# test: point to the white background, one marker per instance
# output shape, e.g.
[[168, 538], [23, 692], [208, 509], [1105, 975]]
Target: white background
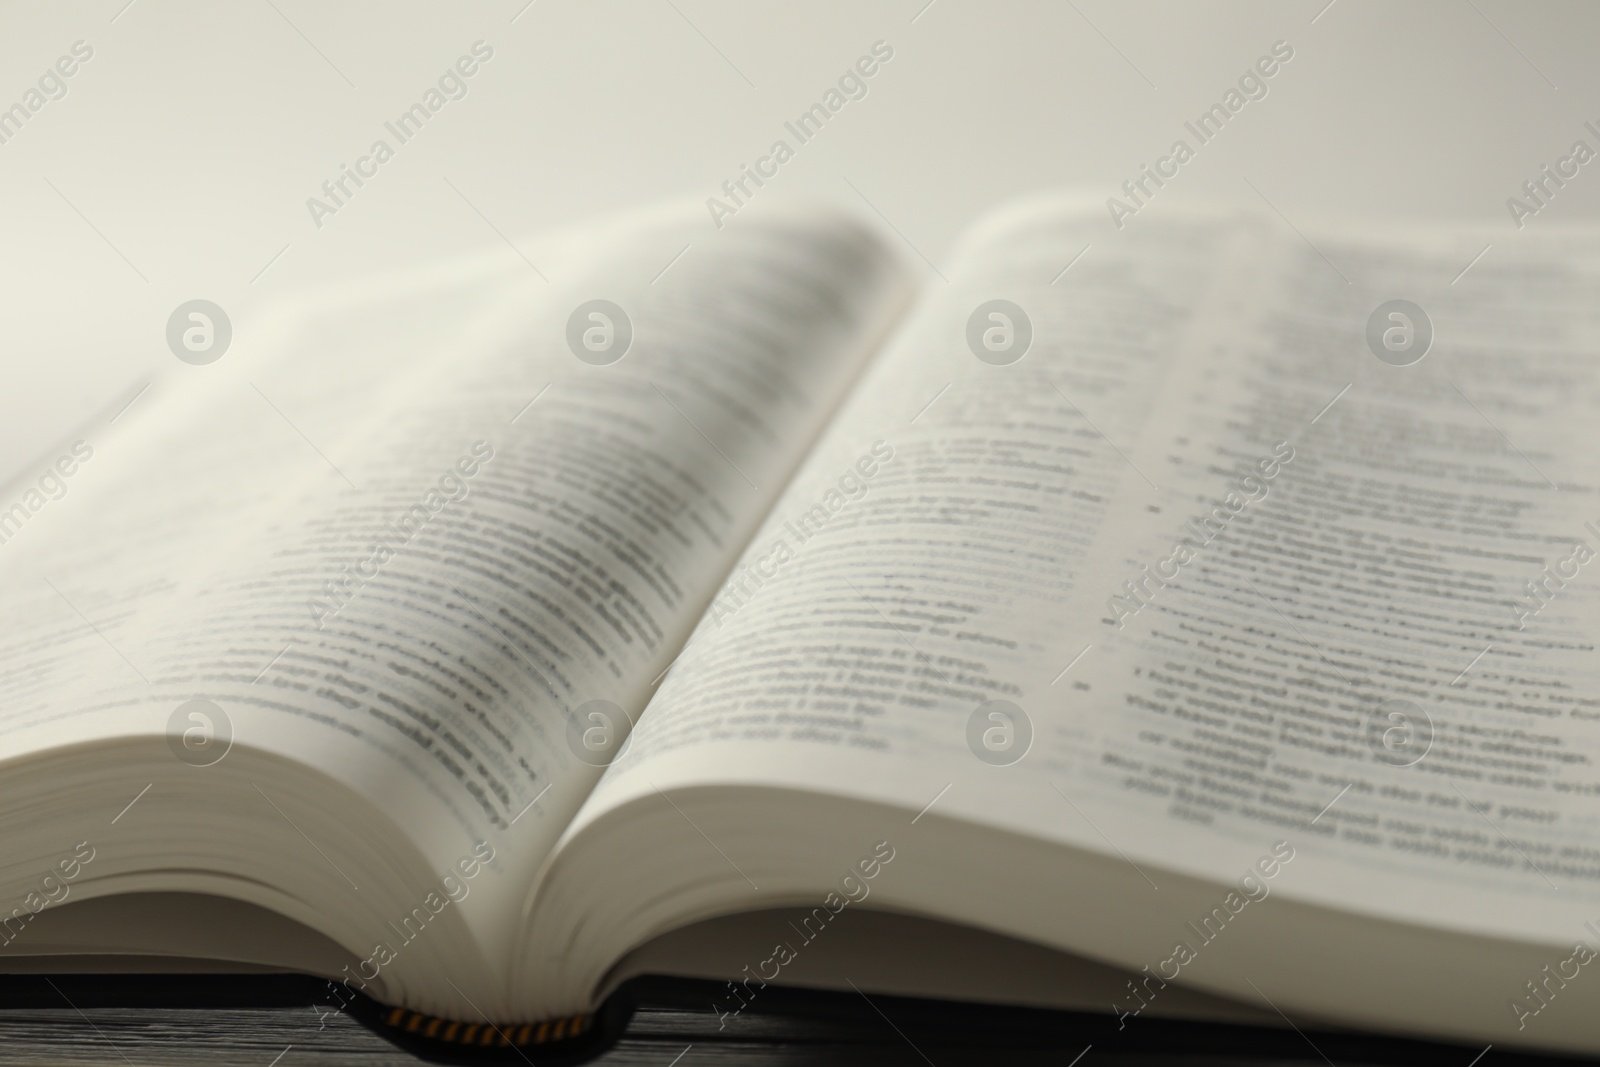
[[193, 138]]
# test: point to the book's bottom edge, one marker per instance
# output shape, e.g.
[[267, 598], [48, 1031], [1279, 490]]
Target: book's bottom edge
[[454, 1032], [566, 1039]]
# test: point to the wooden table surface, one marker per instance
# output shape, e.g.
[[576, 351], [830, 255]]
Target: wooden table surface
[[132, 1021], [285, 1037]]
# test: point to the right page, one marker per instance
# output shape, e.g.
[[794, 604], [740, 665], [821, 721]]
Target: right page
[[1222, 552]]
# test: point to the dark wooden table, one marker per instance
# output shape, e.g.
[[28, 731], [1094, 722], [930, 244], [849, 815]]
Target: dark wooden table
[[133, 1022], [289, 1037]]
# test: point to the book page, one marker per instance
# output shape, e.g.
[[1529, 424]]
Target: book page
[[973, 599], [1376, 643], [454, 567]]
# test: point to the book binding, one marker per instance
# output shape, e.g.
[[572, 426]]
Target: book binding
[[486, 1035]]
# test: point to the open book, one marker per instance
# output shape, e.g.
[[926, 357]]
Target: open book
[[1121, 622]]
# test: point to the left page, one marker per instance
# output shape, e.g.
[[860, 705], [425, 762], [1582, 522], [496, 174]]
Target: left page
[[414, 595]]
